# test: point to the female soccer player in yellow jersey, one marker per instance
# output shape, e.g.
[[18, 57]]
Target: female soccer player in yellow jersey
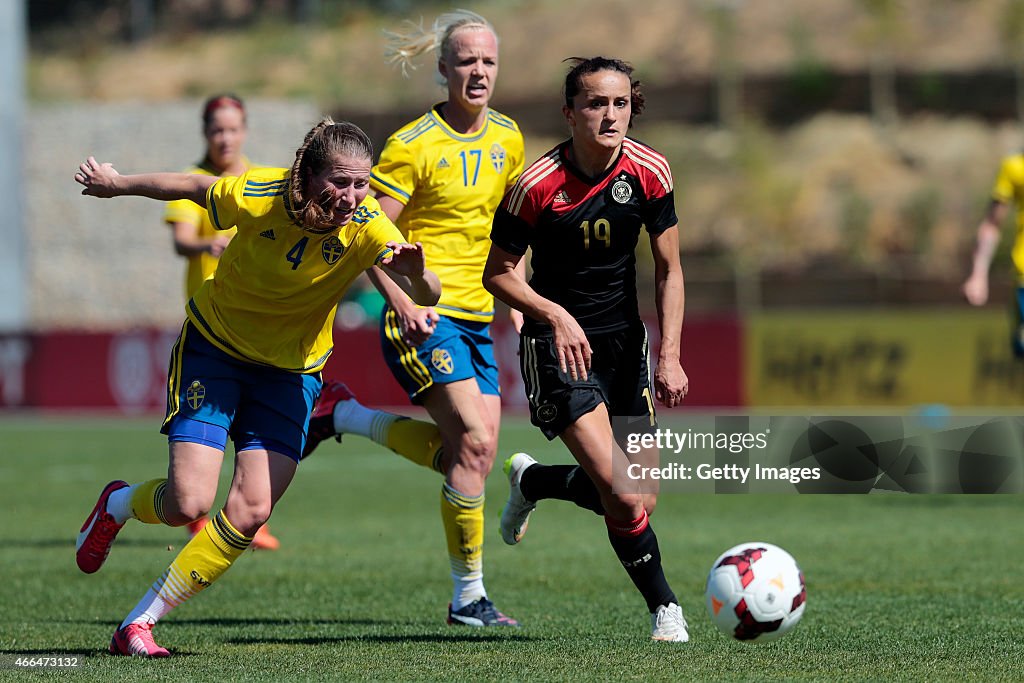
[[195, 237], [1008, 189], [440, 178], [248, 361]]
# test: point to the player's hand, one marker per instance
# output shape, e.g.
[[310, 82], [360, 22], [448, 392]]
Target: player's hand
[[417, 324], [670, 383], [572, 347], [100, 180], [975, 289], [217, 245], [406, 259]]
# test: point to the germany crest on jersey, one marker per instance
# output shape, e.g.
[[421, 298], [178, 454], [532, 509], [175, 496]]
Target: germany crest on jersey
[[584, 231]]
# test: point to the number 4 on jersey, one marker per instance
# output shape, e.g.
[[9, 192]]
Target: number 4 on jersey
[[295, 253]]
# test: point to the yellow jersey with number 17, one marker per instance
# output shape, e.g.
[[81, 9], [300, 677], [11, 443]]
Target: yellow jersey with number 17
[[1009, 187], [450, 185], [273, 297]]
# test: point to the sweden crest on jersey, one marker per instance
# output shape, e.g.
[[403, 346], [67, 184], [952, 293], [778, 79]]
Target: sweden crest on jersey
[[497, 157], [332, 249]]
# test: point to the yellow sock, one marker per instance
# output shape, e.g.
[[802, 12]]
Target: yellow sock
[[201, 562], [204, 559], [147, 501], [463, 519], [416, 441]]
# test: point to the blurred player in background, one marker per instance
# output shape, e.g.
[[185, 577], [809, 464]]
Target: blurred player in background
[[248, 361], [583, 349], [1009, 188], [195, 237], [440, 178]]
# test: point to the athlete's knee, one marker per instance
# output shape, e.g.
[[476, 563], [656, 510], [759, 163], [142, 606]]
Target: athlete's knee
[[650, 502], [477, 450], [623, 506], [247, 516], [182, 507]]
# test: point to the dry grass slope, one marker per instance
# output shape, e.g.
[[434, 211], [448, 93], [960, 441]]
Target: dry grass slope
[[833, 189], [669, 39]]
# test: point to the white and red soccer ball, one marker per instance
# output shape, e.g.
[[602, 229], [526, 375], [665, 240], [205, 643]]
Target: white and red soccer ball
[[755, 592]]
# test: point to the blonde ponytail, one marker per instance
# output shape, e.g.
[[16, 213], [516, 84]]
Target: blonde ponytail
[[405, 45]]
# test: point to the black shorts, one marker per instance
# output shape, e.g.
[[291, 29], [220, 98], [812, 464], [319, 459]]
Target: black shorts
[[619, 377]]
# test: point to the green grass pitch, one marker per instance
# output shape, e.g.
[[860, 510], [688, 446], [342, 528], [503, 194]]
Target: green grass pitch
[[899, 587]]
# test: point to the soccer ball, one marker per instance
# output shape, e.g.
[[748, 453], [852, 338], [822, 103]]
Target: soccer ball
[[755, 592]]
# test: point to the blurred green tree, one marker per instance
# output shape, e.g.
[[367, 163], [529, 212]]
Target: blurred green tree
[[885, 30], [1012, 34], [728, 78]]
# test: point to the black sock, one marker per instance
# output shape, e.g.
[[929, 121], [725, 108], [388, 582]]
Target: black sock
[[561, 482], [639, 554]]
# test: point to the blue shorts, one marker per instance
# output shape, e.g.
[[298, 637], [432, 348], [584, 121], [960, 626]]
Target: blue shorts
[[457, 350], [1017, 342], [211, 395]]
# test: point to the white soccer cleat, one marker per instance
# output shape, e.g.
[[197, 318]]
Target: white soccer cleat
[[669, 625], [515, 516]]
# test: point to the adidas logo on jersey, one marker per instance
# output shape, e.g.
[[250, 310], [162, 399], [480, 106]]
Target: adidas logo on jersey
[[562, 198], [269, 234], [443, 163]]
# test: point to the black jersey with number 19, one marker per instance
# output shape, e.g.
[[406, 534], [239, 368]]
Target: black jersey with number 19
[[584, 231]]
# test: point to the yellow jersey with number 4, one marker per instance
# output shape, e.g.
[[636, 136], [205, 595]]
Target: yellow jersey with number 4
[[450, 185], [276, 289]]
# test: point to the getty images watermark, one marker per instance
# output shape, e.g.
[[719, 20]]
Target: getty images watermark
[[667, 441], [821, 454]]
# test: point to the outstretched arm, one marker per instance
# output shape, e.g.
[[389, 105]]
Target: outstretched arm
[[670, 381], [102, 180], [975, 289], [406, 266]]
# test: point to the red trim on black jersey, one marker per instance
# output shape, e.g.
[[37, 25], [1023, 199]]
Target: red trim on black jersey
[[540, 183], [651, 160], [584, 231], [536, 173]]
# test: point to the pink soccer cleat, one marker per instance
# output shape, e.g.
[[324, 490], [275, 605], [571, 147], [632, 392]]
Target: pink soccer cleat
[[136, 640], [98, 532]]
